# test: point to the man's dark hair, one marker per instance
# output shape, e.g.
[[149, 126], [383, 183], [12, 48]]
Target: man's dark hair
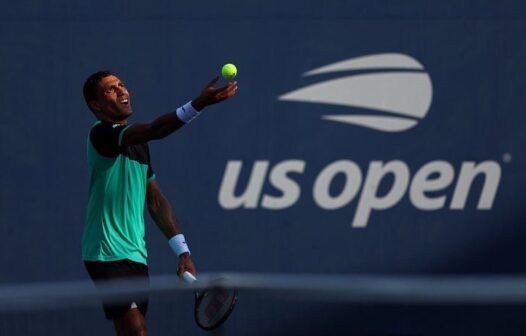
[[92, 83]]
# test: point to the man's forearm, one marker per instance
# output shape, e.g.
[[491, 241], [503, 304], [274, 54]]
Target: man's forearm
[[170, 122], [162, 126], [164, 216], [165, 125], [158, 129]]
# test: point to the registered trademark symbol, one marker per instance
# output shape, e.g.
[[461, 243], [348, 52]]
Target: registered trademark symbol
[[506, 157]]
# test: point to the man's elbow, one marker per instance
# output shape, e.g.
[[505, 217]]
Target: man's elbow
[[153, 206], [158, 132]]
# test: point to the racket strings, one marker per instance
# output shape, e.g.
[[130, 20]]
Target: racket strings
[[214, 306]]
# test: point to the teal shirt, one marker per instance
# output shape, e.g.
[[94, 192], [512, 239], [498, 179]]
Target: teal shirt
[[118, 176]]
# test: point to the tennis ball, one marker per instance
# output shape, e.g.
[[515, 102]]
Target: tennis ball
[[229, 71]]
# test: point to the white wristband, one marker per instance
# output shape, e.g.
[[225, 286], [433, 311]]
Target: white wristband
[[178, 244], [187, 112]]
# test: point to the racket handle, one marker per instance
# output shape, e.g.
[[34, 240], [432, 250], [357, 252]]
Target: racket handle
[[189, 277]]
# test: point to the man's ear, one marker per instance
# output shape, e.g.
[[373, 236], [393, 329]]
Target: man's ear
[[94, 105]]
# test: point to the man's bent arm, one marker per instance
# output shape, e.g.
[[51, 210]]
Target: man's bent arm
[[165, 218], [158, 129], [170, 122], [161, 211]]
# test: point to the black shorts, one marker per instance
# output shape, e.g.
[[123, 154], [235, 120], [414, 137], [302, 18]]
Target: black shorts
[[120, 269]]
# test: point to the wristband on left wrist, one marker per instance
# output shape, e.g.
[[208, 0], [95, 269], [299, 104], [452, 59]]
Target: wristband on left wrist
[[186, 112], [178, 244]]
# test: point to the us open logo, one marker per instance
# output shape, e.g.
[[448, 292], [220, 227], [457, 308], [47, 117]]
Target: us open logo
[[388, 93], [394, 87]]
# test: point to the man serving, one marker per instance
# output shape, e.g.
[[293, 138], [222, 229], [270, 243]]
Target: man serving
[[121, 178]]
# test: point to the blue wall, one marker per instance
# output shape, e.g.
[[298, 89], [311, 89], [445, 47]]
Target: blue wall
[[453, 70]]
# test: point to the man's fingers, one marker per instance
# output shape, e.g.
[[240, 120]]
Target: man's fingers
[[180, 271], [215, 95], [224, 87], [186, 265], [228, 92]]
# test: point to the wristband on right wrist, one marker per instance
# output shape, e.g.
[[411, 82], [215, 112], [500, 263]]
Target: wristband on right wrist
[[178, 244]]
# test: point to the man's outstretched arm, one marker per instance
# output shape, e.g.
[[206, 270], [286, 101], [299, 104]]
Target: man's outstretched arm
[[165, 218], [170, 122]]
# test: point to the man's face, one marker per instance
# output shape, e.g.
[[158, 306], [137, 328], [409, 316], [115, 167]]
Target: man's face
[[113, 101]]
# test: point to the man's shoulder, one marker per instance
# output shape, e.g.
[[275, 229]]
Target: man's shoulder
[[105, 130], [100, 125], [105, 137]]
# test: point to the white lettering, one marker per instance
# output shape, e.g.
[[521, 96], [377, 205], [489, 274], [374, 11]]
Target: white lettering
[[368, 198], [422, 183], [435, 176], [468, 172], [289, 188], [249, 199], [353, 181]]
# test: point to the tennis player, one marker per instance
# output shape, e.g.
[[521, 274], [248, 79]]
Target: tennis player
[[121, 179]]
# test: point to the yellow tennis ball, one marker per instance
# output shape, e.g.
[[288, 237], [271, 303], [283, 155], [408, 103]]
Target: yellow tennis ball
[[229, 71]]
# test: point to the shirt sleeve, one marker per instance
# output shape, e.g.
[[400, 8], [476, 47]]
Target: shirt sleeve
[[106, 138]]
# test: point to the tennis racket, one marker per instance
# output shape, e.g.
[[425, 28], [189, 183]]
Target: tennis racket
[[213, 305]]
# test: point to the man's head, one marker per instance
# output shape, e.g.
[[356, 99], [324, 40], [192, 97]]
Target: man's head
[[107, 97]]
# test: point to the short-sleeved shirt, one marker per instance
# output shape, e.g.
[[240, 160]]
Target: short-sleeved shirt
[[118, 176]]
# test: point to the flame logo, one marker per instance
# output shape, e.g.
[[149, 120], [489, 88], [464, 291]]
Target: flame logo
[[394, 87]]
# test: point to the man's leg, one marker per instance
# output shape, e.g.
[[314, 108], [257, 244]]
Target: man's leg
[[132, 323], [127, 316]]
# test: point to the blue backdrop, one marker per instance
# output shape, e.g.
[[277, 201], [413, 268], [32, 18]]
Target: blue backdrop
[[400, 154]]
